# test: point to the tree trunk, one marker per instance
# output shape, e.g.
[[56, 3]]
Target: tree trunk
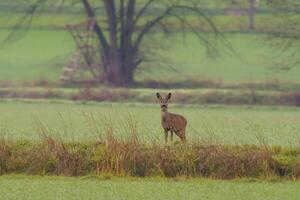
[[128, 72], [251, 13], [120, 72]]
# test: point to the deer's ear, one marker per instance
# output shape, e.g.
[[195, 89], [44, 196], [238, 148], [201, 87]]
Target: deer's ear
[[158, 96], [169, 96]]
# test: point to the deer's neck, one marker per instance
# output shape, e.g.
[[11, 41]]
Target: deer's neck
[[164, 113]]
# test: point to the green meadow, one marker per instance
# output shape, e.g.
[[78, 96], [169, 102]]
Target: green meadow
[[93, 187], [90, 121]]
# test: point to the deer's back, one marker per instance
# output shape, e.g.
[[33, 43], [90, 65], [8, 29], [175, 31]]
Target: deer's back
[[173, 122]]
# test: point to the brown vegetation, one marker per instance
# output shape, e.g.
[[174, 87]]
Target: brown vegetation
[[205, 96], [131, 158], [205, 92], [227, 97]]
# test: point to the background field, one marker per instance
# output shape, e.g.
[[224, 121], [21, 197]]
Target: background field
[[27, 187], [84, 122], [43, 51], [41, 54]]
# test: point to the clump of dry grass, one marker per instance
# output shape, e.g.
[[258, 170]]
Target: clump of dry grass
[[56, 157], [4, 155]]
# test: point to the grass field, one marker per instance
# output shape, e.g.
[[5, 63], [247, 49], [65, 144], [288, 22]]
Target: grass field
[[77, 121], [41, 54], [35, 56], [28, 187]]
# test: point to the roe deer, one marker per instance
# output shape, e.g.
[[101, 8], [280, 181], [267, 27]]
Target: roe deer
[[171, 122]]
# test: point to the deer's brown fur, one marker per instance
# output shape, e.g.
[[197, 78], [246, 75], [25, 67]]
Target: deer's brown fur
[[171, 122]]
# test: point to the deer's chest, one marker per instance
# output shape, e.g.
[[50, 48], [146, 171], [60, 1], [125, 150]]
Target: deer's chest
[[166, 123]]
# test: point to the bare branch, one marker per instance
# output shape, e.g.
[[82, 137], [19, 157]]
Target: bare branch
[[24, 22], [211, 49], [122, 17], [171, 11], [143, 10], [112, 22], [90, 13], [129, 16], [285, 39], [150, 24]]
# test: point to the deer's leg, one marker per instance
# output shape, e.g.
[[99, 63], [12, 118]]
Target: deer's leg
[[183, 139], [181, 135], [172, 136], [166, 136]]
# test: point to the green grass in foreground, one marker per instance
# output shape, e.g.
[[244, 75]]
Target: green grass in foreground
[[43, 53], [33, 187], [77, 121]]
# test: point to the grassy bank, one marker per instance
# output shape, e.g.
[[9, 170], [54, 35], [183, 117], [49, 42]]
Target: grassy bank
[[92, 187], [129, 157]]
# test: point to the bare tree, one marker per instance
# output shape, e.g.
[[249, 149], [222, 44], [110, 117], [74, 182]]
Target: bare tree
[[127, 23]]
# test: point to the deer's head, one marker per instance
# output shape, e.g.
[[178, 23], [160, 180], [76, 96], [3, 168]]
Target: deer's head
[[164, 101]]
